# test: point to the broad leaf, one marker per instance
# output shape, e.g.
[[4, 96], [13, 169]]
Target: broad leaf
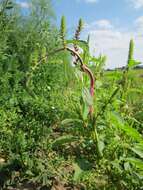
[[130, 131], [138, 149], [138, 163], [87, 98], [77, 173], [63, 140], [70, 121], [133, 63]]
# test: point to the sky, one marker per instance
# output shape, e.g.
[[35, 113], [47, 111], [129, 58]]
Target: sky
[[110, 23]]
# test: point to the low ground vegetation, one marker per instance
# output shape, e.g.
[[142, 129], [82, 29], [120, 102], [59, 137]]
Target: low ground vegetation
[[55, 133]]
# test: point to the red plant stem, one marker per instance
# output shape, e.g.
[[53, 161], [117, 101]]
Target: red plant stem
[[85, 69], [88, 71]]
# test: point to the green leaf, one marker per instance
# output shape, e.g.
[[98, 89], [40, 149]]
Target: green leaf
[[133, 63], [63, 140], [85, 111], [120, 123], [87, 102], [127, 166], [70, 121], [133, 133], [137, 162], [101, 146], [77, 173], [79, 75], [138, 149], [134, 90], [87, 98]]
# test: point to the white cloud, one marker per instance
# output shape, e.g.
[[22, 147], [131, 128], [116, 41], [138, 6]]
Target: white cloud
[[104, 24], [100, 24], [91, 1], [139, 24], [137, 3], [114, 43], [23, 4], [88, 1]]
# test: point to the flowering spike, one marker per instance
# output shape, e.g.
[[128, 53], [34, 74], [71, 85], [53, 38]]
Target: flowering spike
[[63, 30], [80, 24], [78, 30], [77, 33], [131, 51]]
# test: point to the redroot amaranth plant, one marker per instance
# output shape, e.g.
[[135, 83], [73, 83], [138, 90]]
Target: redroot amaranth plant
[[83, 67]]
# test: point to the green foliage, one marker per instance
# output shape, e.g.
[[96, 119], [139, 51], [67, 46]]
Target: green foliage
[[63, 140], [47, 137]]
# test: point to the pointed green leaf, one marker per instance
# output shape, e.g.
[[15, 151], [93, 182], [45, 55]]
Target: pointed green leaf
[[130, 131], [63, 140], [87, 98], [138, 163], [77, 173], [138, 149], [70, 121]]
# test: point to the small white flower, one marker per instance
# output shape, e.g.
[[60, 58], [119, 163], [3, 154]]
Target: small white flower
[[49, 88]]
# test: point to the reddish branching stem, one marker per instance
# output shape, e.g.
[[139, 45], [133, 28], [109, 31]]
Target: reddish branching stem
[[85, 69]]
